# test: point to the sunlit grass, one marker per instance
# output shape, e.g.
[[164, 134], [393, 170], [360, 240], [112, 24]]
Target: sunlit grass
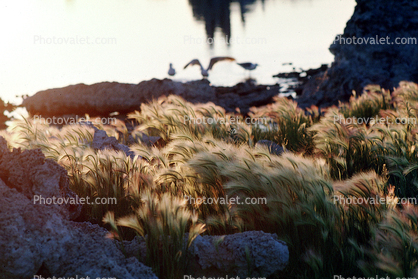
[[159, 192]]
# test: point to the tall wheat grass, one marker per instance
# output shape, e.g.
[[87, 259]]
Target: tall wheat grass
[[160, 193]]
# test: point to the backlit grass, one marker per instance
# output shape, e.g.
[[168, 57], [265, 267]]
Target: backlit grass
[[299, 195]]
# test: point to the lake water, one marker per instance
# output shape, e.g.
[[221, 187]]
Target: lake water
[[55, 43]]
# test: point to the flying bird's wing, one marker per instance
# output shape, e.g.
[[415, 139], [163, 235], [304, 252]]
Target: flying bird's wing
[[193, 62], [217, 59]]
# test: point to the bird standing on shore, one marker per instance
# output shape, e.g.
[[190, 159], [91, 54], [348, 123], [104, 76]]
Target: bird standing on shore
[[171, 71], [205, 72], [248, 66]]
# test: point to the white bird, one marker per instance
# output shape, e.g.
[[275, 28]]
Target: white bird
[[248, 66], [205, 72], [171, 71]]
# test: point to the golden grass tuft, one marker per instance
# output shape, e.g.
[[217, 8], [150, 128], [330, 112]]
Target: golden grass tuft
[[293, 195]]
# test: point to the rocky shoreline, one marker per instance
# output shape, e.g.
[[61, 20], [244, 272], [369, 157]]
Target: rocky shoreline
[[355, 66], [383, 61], [106, 98], [46, 239], [102, 99]]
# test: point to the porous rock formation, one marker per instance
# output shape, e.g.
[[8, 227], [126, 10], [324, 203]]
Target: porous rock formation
[[358, 65], [252, 253], [40, 239], [107, 97], [31, 174], [102, 141]]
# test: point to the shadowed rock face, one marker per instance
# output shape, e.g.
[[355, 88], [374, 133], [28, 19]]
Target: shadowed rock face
[[3, 118], [40, 238], [218, 256], [252, 253], [107, 97], [102, 141], [357, 65], [31, 174]]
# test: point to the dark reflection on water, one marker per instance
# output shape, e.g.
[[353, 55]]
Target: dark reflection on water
[[216, 14]]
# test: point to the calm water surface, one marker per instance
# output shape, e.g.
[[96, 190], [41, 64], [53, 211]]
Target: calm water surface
[[55, 43]]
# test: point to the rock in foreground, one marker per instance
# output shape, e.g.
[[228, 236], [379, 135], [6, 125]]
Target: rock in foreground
[[252, 253], [40, 239], [107, 97]]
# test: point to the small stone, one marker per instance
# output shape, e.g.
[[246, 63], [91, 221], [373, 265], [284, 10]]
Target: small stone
[[273, 147]]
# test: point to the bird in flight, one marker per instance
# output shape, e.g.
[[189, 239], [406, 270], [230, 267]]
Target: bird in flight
[[205, 72], [171, 71]]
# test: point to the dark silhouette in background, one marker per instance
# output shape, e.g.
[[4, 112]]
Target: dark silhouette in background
[[216, 14]]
